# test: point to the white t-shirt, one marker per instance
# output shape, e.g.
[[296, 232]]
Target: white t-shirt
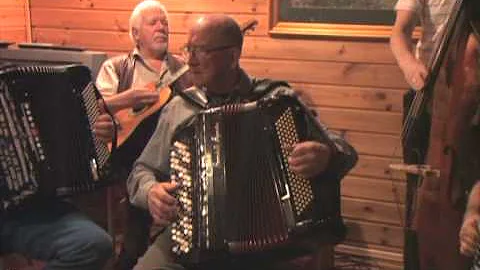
[[433, 15]]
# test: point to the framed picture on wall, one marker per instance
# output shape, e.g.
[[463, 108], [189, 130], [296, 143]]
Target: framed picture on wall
[[341, 18]]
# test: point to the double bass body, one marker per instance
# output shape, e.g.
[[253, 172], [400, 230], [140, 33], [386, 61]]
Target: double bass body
[[453, 146]]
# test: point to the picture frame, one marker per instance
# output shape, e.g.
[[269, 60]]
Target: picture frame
[[360, 19]]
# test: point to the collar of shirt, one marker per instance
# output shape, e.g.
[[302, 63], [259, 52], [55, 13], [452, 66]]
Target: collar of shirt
[[239, 93], [139, 57]]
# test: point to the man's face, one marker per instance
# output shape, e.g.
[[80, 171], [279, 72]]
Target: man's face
[[209, 57], [152, 35]]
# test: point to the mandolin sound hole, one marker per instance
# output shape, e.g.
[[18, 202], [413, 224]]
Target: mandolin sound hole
[[139, 108]]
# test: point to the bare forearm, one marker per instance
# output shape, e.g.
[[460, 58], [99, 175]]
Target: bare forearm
[[473, 205], [402, 49], [118, 102]]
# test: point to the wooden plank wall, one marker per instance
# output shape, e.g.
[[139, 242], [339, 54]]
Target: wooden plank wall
[[14, 22], [354, 84]]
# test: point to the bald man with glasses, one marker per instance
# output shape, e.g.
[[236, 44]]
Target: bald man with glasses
[[213, 52]]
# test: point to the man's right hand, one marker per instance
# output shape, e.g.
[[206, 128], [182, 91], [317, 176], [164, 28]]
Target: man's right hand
[[162, 205], [141, 97], [131, 98], [415, 73]]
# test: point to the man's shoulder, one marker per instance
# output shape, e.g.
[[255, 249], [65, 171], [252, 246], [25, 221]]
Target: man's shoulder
[[264, 86], [118, 61], [191, 96]]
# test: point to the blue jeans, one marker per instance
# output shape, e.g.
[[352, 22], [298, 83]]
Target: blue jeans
[[57, 233]]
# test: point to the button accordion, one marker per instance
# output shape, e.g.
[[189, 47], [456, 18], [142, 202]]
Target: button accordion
[[47, 145], [236, 192]]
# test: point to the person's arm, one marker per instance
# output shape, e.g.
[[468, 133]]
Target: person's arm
[[108, 82], [471, 63], [323, 153], [148, 184], [343, 159], [413, 69], [469, 235], [152, 165], [130, 98], [315, 158]]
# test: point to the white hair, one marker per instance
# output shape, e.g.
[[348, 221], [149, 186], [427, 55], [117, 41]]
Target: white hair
[[136, 16]]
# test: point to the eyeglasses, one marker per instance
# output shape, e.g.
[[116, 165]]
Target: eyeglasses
[[202, 51]]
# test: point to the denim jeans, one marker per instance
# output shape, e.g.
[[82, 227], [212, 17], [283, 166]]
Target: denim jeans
[[57, 233]]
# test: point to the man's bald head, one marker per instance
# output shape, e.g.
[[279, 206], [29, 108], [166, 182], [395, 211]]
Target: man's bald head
[[214, 47], [221, 28]]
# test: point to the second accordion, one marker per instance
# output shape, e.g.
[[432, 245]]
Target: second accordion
[[237, 193], [48, 148]]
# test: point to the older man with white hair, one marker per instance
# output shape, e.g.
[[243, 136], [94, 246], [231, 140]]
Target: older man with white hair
[[126, 82]]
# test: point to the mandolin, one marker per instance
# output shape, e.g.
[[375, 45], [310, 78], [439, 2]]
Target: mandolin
[[127, 120]]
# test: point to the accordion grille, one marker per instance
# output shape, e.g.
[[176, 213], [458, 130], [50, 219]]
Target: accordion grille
[[300, 187], [47, 147], [93, 111]]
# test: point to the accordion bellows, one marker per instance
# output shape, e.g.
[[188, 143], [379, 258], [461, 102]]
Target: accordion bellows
[[237, 193], [47, 144]]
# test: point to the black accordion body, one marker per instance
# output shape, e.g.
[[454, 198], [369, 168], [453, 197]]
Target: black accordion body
[[47, 144], [237, 193]]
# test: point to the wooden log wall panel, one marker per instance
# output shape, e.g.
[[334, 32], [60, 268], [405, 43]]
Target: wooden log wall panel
[[367, 233], [373, 211], [361, 120], [12, 17], [380, 190], [13, 20], [200, 6], [321, 72], [103, 20], [374, 144], [324, 72], [12, 3], [14, 34], [385, 100], [377, 167], [354, 85], [96, 40], [254, 47], [291, 49], [261, 47]]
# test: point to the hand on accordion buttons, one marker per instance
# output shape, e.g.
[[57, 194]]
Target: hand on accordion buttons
[[103, 128], [162, 204], [469, 235], [309, 158]]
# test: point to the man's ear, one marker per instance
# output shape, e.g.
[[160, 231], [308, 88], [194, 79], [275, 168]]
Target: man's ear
[[135, 34]]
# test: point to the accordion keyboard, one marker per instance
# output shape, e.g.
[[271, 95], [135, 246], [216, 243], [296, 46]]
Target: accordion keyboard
[[302, 193]]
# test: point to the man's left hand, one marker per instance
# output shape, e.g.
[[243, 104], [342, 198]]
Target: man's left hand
[[309, 158], [103, 128]]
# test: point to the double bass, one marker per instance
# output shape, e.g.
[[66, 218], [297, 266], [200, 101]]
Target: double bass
[[446, 159]]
